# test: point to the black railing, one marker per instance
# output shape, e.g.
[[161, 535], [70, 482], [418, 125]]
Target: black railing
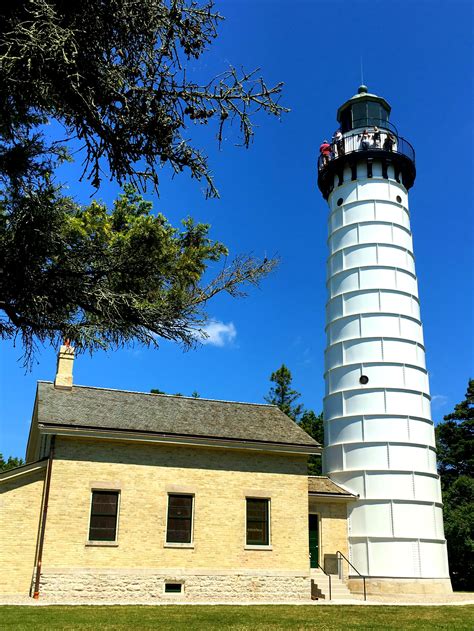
[[329, 580], [340, 556], [356, 142]]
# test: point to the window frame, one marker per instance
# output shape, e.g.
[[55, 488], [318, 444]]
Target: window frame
[[259, 546], [104, 542], [180, 544]]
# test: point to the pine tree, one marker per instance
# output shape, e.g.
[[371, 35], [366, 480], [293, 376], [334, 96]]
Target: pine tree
[[115, 78], [11, 463], [283, 395]]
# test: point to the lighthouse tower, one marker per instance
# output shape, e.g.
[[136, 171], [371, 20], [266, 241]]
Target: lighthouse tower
[[379, 436]]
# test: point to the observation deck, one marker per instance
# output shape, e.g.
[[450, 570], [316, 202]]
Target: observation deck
[[366, 135], [388, 148]]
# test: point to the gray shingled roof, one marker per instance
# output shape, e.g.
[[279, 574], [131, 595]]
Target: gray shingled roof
[[322, 484], [100, 408]]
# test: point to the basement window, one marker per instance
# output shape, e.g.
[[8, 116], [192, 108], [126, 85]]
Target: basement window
[[173, 588]]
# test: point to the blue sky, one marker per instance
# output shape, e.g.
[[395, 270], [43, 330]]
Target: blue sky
[[418, 55]]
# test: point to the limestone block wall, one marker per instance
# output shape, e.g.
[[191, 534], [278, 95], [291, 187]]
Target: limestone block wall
[[333, 535], [220, 481], [20, 508], [148, 586]]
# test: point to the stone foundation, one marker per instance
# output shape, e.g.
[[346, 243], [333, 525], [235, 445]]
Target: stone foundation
[[149, 586], [396, 586]]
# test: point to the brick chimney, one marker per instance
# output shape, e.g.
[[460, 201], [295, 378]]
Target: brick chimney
[[63, 378]]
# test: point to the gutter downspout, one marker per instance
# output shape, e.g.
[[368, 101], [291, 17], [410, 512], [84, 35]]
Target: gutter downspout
[[43, 520]]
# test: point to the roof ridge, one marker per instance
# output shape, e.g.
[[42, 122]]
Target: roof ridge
[[171, 396]]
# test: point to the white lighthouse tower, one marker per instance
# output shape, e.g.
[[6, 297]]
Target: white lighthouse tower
[[379, 436]]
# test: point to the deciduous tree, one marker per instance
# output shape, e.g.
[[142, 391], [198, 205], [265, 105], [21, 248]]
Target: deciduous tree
[[455, 442]]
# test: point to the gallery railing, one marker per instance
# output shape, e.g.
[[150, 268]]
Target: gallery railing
[[383, 141]]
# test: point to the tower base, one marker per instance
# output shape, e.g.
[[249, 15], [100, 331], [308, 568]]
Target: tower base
[[388, 586]]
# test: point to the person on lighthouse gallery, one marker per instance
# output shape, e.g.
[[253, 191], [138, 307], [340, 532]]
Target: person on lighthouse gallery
[[325, 151], [364, 140]]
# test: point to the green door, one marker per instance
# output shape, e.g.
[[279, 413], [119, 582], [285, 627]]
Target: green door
[[314, 540]]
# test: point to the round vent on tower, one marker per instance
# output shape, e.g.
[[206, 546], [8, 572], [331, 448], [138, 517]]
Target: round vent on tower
[[399, 199], [340, 201], [364, 380]]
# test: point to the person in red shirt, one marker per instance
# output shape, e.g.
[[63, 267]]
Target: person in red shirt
[[325, 151]]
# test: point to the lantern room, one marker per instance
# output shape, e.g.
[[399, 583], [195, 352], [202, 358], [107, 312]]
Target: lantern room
[[364, 110]]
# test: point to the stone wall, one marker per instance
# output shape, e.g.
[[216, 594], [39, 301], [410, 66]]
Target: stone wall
[[146, 586]]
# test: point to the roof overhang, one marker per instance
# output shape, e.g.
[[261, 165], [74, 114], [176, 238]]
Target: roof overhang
[[334, 497], [175, 439], [25, 469]]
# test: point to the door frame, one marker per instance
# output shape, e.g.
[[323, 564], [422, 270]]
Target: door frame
[[314, 512]]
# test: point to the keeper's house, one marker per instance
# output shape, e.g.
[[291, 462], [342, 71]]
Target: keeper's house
[[135, 496]]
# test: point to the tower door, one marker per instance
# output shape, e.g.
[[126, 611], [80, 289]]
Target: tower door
[[314, 540]]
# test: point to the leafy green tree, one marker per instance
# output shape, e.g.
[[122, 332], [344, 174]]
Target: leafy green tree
[[313, 425], [11, 463], [458, 499], [113, 78], [283, 395], [455, 439], [455, 442]]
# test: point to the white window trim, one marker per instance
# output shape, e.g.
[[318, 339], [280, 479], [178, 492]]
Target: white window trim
[[177, 544], [249, 546], [104, 544]]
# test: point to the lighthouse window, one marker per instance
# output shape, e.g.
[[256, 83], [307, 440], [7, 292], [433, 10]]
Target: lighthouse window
[[340, 201], [363, 380], [359, 115], [373, 113], [399, 199]]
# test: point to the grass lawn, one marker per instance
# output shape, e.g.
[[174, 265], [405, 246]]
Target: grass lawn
[[196, 618]]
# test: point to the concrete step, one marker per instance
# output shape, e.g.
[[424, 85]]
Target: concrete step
[[320, 587]]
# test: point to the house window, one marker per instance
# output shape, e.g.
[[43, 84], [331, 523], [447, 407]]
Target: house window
[[180, 518], [103, 522], [258, 523]]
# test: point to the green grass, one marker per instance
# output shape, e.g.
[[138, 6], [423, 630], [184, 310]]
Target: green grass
[[260, 618]]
